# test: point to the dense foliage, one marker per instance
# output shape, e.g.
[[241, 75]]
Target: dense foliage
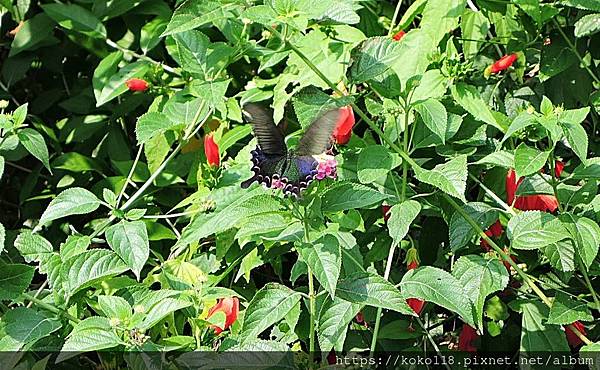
[[463, 216]]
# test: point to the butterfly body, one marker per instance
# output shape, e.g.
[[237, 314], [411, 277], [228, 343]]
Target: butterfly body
[[274, 165]]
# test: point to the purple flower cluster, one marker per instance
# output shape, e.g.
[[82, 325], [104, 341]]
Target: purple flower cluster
[[326, 167]]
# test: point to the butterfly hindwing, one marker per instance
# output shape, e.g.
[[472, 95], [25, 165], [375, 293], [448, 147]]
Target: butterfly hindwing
[[317, 138], [269, 136]]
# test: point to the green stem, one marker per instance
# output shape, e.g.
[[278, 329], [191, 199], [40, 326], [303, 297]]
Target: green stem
[[554, 188], [229, 268], [430, 338], [576, 52], [48, 307], [311, 303], [493, 195], [589, 283], [114, 45], [130, 175], [393, 22]]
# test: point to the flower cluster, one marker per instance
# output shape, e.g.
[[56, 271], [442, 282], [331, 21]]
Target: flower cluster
[[326, 167]]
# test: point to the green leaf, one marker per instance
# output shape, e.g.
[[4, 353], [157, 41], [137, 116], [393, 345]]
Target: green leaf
[[434, 114], [185, 110], [14, 279], [151, 124], [374, 164], [433, 84], [401, 216], [449, 177], [34, 33], [370, 289], [269, 305], [196, 13], [159, 311], [115, 307], [324, 257], [469, 98], [212, 92], [582, 4], [474, 27], [577, 138], [233, 136], [310, 103], [130, 241], [192, 49], [373, 58], [500, 158], [104, 71], [22, 327], [73, 201], [90, 267], [34, 142], [75, 18], [561, 255], [91, 334], [480, 277], [538, 336], [566, 310], [33, 247], [150, 34], [334, 317], [20, 115], [587, 25], [588, 170], [434, 285], [535, 229], [586, 234], [115, 85], [349, 195], [529, 160]]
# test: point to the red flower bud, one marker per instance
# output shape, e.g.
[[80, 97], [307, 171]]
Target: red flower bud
[[343, 127], [466, 338], [230, 307], [211, 150], [413, 262], [558, 168], [572, 338], [385, 209], [399, 35], [536, 202], [503, 63], [494, 231], [136, 84]]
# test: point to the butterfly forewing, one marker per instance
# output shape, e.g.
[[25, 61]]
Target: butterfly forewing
[[317, 138], [270, 139]]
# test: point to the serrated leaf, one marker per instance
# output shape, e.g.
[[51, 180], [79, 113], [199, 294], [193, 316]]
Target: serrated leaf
[[500, 158], [577, 139], [334, 318], [449, 177], [152, 124], [73, 201], [480, 277], [24, 326], [374, 164], [162, 310], [33, 247], [324, 257], [566, 310], [374, 57], [130, 241], [372, 290], [115, 307], [91, 334], [434, 115], [587, 25], [196, 13], [561, 255], [34, 142], [586, 234], [14, 279], [349, 195], [535, 229], [37, 31], [269, 305], [538, 336], [401, 216], [434, 285], [89, 267], [469, 98], [582, 4], [529, 160]]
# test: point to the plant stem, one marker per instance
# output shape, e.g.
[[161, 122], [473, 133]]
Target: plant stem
[[589, 283], [393, 22], [50, 307], [507, 258], [575, 51], [493, 195], [311, 302], [114, 45], [130, 175], [553, 184], [435, 346], [229, 268]]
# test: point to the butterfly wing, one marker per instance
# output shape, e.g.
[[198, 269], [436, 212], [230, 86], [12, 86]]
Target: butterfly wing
[[270, 138], [317, 138]]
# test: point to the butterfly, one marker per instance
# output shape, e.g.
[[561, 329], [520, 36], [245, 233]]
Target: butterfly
[[276, 166]]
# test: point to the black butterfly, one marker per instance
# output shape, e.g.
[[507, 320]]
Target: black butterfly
[[276, 166]]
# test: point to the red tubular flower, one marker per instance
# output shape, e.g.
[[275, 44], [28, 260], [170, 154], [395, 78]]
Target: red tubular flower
[[136, 84], [398, 35], [466, 338], [343, 127], [537, 202], [558, 168], [502, 64], [493, 232], [230, 307], [572, 338], [413, 262], [211, 150]]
